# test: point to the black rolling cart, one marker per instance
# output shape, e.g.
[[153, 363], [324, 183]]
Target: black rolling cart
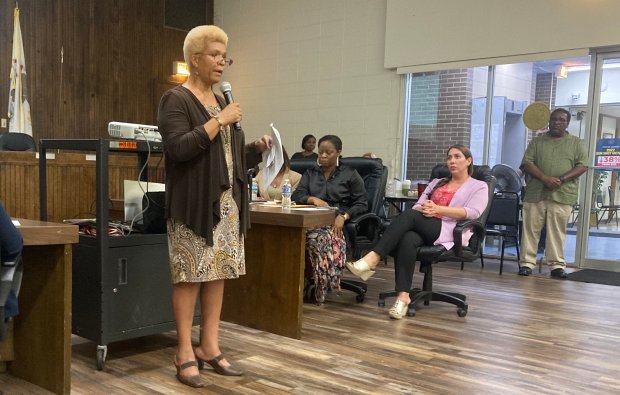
[[121, 284]]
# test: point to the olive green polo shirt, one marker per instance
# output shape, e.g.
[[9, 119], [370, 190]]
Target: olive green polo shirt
[[554, 158]]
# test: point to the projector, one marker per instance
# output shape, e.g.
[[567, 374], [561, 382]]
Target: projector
[[133, 131]]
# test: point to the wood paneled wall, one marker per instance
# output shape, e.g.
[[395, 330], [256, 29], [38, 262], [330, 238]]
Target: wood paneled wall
[[70, 183], [90, 62]]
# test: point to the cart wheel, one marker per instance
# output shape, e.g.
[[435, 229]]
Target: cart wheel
[[461, 312], [381, 302], [102, 352]]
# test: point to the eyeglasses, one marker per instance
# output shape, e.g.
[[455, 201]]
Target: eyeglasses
[[218, 58]]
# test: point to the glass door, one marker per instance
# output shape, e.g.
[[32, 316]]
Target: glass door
[[598, 234]]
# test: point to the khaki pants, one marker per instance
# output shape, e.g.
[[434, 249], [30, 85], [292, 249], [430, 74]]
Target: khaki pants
[[535, 216]]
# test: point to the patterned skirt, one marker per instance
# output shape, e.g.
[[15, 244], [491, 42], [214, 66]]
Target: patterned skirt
[[325, 257], [192, 260]]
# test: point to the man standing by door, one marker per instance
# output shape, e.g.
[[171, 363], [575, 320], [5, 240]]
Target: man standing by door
[[554, 161]]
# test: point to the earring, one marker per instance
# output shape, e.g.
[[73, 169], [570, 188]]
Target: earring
[[317, 162], [337, 161]]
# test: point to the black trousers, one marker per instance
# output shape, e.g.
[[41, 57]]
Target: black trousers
[[407, 232]]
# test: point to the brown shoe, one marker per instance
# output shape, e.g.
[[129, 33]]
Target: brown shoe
[[192, 381], [219, 369]]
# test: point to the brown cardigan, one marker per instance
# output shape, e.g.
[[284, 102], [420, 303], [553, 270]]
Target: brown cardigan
[[196, 173]]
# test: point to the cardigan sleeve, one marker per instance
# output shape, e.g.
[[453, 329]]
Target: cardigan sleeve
[[478, 200], [183, 141]]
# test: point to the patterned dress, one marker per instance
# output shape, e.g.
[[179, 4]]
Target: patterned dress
[[191, 259], [325, 257]]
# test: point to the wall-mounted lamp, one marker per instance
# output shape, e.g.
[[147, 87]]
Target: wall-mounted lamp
[[562, 72], [180, 68]]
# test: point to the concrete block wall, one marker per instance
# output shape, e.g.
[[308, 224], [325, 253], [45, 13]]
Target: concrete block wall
[[315, 67]]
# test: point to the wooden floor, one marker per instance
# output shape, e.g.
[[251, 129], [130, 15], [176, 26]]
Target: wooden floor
[[529, 335]]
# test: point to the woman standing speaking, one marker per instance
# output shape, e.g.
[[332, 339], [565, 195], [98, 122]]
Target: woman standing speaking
[[206, 198]]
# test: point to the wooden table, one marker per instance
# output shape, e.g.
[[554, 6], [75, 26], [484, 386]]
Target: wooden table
[[270, 296], [43, 327]]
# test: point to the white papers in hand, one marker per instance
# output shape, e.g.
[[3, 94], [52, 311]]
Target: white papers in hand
[[272, 160]]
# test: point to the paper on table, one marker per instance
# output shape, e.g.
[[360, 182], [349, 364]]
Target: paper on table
[[278, 203], [16, 222], [310, 208], [272, 160]]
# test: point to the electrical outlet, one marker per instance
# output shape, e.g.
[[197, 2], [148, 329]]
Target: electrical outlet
[[3, 123]]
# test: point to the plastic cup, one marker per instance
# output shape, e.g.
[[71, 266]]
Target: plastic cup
[[398, 186], [406, 186]]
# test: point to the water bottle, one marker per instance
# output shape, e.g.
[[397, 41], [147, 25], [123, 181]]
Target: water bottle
[[286, 194], [254, 189]]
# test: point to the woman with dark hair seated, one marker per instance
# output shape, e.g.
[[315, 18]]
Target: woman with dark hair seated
[[329, 184], [308, 143], [433, 218]]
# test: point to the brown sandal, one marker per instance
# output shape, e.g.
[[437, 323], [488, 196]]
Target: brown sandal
[[192, 381], [219, 369]]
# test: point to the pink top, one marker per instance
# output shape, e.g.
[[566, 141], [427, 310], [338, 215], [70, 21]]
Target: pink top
[[442, 197], [473, 196]]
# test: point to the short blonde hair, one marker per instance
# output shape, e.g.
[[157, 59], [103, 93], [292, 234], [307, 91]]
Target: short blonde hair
[[198, 38]]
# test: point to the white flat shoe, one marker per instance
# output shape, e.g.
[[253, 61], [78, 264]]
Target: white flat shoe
[[361, 269], [399, 309]]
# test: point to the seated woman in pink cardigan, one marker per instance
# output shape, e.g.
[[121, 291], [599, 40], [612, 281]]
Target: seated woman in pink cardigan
[[444, 202]]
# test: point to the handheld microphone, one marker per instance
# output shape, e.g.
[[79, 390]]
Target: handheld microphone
[[226, 91]]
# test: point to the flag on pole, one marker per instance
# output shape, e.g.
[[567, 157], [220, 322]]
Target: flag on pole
[[19, 109]]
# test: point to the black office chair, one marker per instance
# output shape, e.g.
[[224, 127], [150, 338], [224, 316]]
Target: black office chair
[[503, 222], [364, 231], [440, 171], [17, 142], [11, 274], [428, 255]]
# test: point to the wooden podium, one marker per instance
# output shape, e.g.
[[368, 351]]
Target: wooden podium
[[270, 296], [43, 327]]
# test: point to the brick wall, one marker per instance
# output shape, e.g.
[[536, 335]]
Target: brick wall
[[439, 116], [545, 88], [545, 84]]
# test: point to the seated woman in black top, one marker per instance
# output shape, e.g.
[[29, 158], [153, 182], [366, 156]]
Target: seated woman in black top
[[307, 144], [329, 183]]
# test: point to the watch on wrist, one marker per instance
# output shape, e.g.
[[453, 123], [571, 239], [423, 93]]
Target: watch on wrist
[[563, 179], [345, 215]]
